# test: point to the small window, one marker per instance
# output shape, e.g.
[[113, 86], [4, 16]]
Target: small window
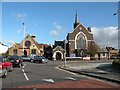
[[15, 51], [33, 51]]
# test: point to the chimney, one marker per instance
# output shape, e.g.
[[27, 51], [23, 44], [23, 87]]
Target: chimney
[[33, 37], [89, 29]]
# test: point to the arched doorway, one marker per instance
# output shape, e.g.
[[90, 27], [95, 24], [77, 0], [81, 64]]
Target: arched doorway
[[25, 52], [58, 56]]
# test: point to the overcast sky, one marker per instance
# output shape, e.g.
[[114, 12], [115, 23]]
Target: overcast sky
[[52, 21]]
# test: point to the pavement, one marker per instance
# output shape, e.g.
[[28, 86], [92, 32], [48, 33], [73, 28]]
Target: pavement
[[100, 70]]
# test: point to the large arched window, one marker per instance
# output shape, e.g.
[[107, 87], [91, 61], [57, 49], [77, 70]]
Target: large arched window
[[80, 41]]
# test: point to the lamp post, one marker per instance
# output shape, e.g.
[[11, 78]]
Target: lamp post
[[23, 36], [65, 41]]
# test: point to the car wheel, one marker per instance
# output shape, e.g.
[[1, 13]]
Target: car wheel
[[5, 74], [40, 61]]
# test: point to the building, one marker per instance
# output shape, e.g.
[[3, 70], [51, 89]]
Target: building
[[79, 44], [48, 51], [28, 46], [102, 54], [112, 51], [58, 50], [79, 40]]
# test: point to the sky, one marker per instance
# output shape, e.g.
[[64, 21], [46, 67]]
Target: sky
[[50, 21]]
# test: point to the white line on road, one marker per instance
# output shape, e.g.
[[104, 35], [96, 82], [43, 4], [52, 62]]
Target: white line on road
[[25, 75], [24, 65], [67, 71], [70, 78], [49, 80]]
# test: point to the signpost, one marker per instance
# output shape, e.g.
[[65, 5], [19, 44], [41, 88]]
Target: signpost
[[65, 42]]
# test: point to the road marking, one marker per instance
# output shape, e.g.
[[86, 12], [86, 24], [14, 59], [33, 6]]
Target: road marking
[[25, 75], [48, 80], [24, 65], [67, 71], [69, 78]]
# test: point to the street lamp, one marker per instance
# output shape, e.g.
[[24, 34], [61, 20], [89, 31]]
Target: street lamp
[[116, 13], [65, 42], [23, 36]]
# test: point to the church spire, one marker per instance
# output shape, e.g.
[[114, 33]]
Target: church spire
[[76, 20]]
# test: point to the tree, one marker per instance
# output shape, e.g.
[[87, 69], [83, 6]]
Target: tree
[[92, 49]]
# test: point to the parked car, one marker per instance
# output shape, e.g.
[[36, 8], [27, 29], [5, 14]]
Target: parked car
[[26, 58], [40, 59], [16, 60], [5, 66]]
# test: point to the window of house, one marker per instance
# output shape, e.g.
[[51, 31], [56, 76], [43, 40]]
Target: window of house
[[33, 51], [27, 43], [15, 51]]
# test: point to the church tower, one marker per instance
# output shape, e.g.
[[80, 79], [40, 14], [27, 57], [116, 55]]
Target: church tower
[[76, 21]]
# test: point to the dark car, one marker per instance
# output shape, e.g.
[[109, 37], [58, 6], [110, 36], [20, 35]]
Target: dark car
[[16, 60], [5, 66], [40, 59]]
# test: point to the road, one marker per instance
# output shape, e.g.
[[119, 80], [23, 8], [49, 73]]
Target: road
[[35, 73]]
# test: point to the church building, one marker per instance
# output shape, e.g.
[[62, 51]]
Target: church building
[[77, 43], [79, 40], [28, 46]]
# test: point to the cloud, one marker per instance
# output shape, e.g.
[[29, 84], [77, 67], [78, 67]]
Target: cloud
[[19, 31], [57, 30], [20, 16], [8, 43], [106, 36]]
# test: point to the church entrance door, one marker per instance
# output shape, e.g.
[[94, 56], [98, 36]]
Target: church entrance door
[[58, 56], [25, 52]]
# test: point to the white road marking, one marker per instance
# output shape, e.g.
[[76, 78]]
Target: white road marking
[[23, 70], [69, 78], [48, 80], [24, 65], [67, 71], [25, 75]]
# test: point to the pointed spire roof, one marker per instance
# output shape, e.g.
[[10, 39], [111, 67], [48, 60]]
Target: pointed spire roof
[[76, 21], [76, 18]]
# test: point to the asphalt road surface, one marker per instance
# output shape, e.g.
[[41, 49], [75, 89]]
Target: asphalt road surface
[[49, 76], [35, 73]]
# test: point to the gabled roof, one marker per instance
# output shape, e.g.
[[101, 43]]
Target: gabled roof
[[59, 48]]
